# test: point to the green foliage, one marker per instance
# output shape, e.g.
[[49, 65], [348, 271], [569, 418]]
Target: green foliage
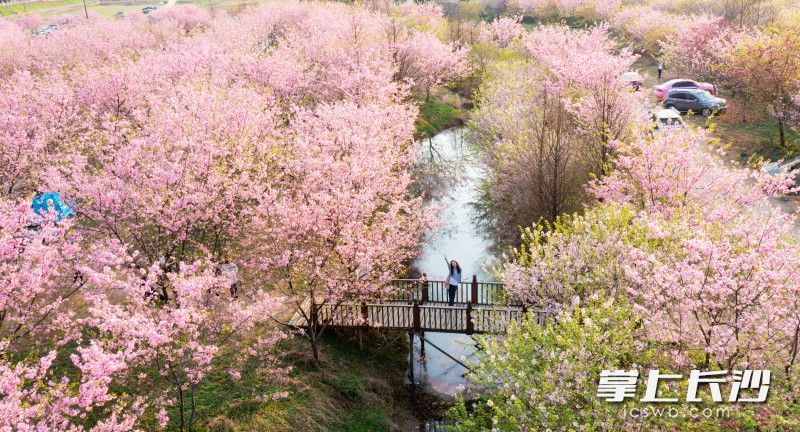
[[482, 56], [545, 377], [436, 116], [576, 255]]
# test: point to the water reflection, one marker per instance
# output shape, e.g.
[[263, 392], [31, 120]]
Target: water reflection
[[451, 175]]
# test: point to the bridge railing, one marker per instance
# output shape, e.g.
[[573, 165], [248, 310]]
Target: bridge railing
[[436, 291], [426, 317]]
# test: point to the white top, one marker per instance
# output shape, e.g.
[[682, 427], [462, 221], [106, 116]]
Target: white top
[[231, 271], [454, 276]]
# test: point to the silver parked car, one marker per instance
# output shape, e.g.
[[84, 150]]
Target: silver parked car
[[667, 119]]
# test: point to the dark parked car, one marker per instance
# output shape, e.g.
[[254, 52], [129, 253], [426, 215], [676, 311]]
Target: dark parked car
[[696, 101], [148, 9]]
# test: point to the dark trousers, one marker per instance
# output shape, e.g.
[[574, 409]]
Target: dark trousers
[[451, 294], [659, 74]]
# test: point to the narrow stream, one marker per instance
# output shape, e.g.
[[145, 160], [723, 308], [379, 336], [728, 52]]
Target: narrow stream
[[459, 172]]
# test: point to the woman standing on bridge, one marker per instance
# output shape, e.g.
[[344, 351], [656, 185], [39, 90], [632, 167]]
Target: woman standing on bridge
[[453, 279]]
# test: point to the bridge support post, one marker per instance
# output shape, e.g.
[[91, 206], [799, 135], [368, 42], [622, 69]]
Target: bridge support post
[[364, 324], [416, 318], [422, 345], [364, 315], [474, 291], [470, 324], [411, 356]]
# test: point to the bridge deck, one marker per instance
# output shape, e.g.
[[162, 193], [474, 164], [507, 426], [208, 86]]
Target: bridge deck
[[477, 310]]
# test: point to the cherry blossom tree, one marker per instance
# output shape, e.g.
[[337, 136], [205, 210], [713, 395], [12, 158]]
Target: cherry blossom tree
[[529, 139], [341, 223], [34, 398], [180, 338], [56, 289], [548, 123], [427, 62], [604, 106], [40, 265], [686, 172], [504, 30], [731, 255], [43, 264], [303, 180], [176, 181], [765, 67], [12, 44], [723, 290], [36, 123], [697, 51], [695, 245]]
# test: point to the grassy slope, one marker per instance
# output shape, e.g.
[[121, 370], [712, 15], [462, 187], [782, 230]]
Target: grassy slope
[[436, 116], [756, 137], [42, 7], [106, 8], [352, 390]]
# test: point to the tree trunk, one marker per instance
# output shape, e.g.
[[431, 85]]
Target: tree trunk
[[312, 330], [314, 348], [782, 133], [180, 407], [193, 407]]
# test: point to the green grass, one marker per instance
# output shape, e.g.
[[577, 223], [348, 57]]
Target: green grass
[[759, 138], [369, 419], [352, 390], [37, 7], [436, 116], [347, 384], [58, 7]]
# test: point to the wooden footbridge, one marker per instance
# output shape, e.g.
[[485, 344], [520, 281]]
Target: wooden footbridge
[[417, 306]]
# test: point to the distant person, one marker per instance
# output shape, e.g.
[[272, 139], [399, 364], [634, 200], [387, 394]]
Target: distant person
[[423, 285], [453, 279], [660, 70], [230, 270]]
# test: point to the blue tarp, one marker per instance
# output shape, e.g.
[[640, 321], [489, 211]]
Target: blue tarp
[[52, 201]]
